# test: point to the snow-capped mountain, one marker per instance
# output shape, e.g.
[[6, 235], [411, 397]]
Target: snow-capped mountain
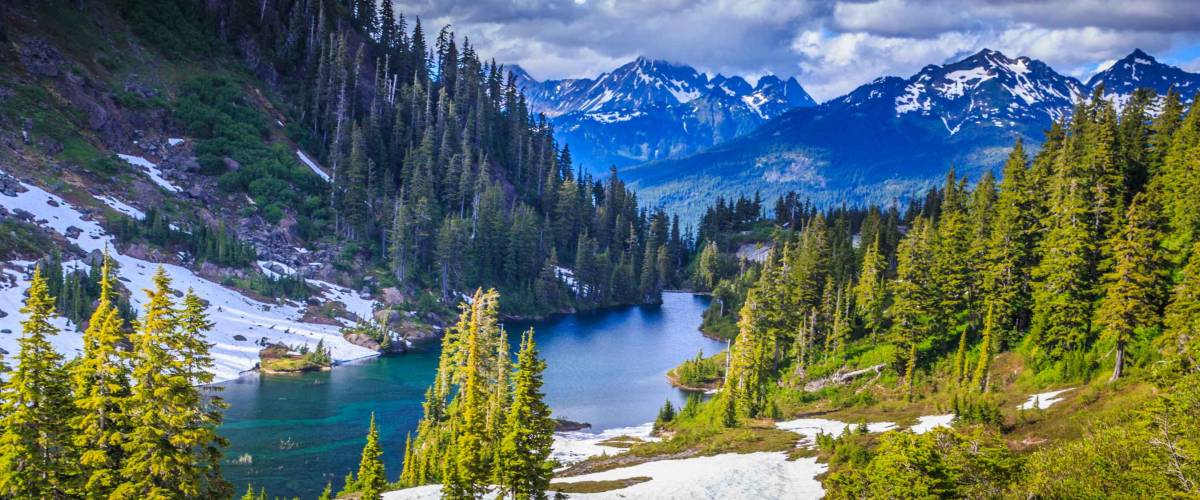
[[886, 139], [650, 109], [987, 88], [1141, 70]]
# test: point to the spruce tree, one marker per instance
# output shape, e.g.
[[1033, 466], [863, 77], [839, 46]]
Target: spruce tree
[[1181, 339], [1064, 286], [870, 293], [747, 380], [1134, 287], [101, 385], [1010, 250], [986, 346], [524, 469], [173, 449], [35, 446], [913, 310], [371, 479]]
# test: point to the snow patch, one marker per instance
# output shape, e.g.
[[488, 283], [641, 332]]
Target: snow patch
[[1043, 400], [929, 422], [174, 141], [233, 314], [151, 170], [122, 207], [312, 165], [575, 446]]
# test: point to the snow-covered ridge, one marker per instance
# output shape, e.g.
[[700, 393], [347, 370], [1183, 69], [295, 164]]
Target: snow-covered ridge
[[241, 324]]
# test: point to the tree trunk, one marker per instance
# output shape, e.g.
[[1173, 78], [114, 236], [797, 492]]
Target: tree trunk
[[1120, 364]]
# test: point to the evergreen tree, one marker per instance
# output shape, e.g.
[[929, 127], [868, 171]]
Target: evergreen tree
[[1063, 289], [1133, 294], [371, 479], [913, 309], [173, 449], [986, 346], [1010, 249], [870, 293], [35, 445], [101, 385], [747, 380], [524, 469], [1181, 339]]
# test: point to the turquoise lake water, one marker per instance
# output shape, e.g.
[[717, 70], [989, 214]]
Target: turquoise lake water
[[292, 433]]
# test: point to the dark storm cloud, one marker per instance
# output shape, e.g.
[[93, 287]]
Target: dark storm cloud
[[832, 46]]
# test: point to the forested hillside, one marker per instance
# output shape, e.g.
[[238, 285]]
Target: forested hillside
[[1079, 266], [437, 166], [334, 140]]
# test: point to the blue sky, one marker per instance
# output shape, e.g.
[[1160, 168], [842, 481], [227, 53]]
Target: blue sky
[[831, 46]]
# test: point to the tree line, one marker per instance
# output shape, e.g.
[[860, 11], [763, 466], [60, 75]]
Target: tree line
[[439, 173], [1072, 257], [127, 418], [485, 426]]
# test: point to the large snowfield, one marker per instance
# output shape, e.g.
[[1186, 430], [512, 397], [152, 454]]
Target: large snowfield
[[761, 475], [233, 314]]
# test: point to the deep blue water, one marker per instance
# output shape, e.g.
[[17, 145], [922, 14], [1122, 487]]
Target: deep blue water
[[606, 368]]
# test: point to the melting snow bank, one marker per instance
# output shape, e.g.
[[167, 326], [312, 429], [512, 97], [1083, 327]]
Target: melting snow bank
[[750, 475], [808, 428], [575, 446], [241, 325], [312, 165], [152, 171], [1043, 400], [930, 422], [122, 207]]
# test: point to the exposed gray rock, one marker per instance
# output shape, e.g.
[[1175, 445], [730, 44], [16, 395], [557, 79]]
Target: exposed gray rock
[[39, 57]]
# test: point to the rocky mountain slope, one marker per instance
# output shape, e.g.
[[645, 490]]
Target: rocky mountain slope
[[651, 109], [893, 137]]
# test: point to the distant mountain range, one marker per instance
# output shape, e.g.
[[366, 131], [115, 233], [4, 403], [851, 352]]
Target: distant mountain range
[[895, 136], [649, 110]]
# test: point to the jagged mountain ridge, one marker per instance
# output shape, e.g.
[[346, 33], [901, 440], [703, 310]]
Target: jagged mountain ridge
[[651, 109], [1141, 70], [894, 136]]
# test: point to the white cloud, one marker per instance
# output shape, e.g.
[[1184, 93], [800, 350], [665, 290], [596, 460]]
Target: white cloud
[[831, 45]]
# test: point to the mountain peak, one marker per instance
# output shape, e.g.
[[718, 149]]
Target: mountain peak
[[1141, 70], [520, 73], [1139, 54], [986, 89]]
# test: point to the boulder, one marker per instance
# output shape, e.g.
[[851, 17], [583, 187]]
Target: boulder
[[392, 296], [361, 340], [231, 164]]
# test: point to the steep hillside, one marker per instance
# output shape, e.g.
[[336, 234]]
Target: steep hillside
[[296, 162]]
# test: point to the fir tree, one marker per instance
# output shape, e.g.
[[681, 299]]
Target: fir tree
[[986, 346], [524, 469], [35, 446], [1010, 249], [1133, 293], [101, 385], [173, 449], [1064, 287], [870, 293], [1181, 339], [371, 479]]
